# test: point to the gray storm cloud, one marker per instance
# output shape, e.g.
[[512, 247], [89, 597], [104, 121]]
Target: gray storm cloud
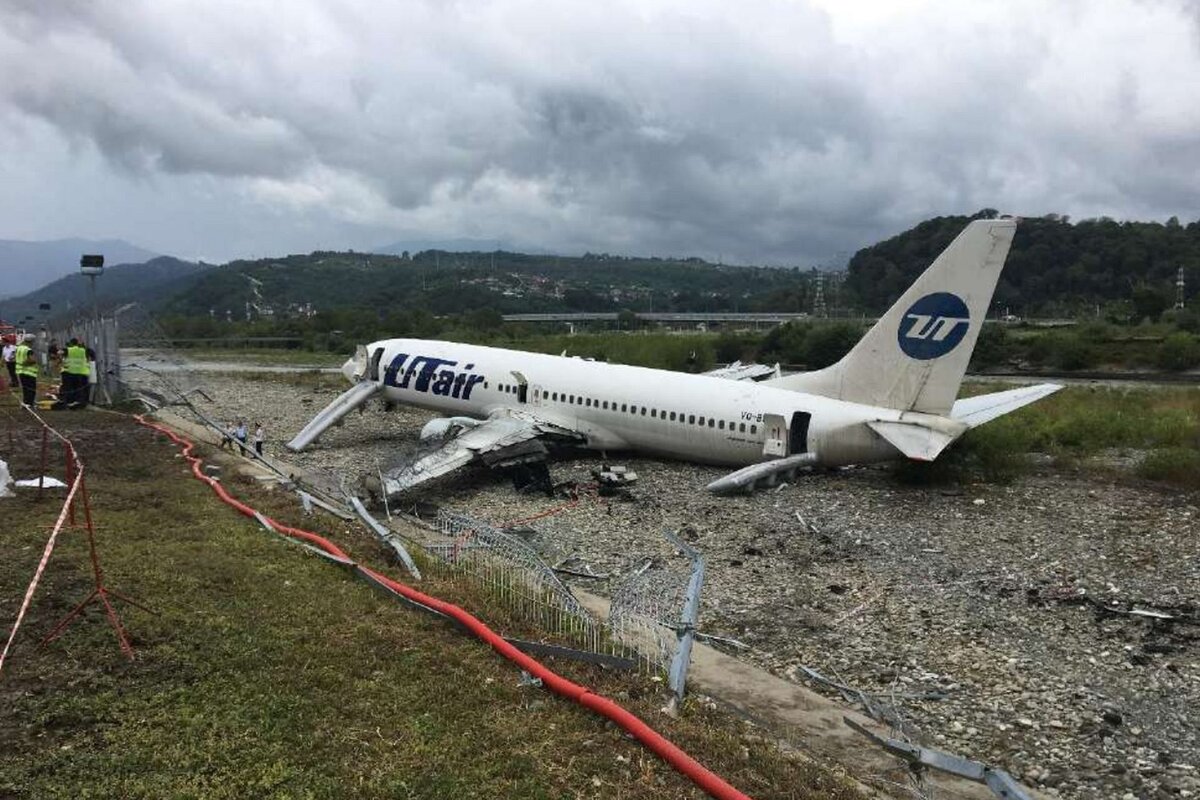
[[769, 131]]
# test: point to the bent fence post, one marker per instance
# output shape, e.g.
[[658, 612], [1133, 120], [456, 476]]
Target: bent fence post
[[686, 630], [386, 536]]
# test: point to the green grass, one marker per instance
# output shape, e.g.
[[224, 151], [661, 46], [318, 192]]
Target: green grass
[[1073, 425], [269, 673], [1091, 345], [1176, 465]]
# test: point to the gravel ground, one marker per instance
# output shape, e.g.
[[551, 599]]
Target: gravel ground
[[974, 594]]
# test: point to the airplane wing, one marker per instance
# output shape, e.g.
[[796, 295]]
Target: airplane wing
[[737, 371], [506, 437], [980, 409]]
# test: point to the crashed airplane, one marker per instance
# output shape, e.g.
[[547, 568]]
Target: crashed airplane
[[893, 396]]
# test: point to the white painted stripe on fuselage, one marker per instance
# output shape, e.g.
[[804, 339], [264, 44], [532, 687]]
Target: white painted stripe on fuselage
[[837, 433]]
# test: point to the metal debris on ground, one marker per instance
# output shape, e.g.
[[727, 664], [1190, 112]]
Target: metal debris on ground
[[1000, 782], [583, 570], [1078, 595], [688, 618], [876, 710], [722, 640], [614, 481]]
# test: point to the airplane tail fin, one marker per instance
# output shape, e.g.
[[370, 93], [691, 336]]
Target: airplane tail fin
[[915, 356]]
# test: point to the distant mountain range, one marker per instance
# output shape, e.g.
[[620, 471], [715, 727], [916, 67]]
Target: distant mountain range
[[460, 245], [26, 266], [70, 295]]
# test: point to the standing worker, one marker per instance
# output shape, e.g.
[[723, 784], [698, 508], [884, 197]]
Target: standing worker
[[89, 391], [27, 370], [258, 438], [10, 355], [75, 375]]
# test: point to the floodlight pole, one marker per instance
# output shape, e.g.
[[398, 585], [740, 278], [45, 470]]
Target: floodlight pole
[[93, 266], [95, 305]]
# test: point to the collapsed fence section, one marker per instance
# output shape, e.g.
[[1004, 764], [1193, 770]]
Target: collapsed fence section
[[514, 576]]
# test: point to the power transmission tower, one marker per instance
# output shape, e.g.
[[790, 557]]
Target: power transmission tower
[[819, 295], [1179, 289]]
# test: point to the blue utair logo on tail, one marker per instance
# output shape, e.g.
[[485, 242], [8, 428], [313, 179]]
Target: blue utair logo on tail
[[933, 326]]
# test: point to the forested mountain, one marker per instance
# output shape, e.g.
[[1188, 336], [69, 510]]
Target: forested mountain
[[27, 266], [1055, 267], [149, 283], [439, 282]]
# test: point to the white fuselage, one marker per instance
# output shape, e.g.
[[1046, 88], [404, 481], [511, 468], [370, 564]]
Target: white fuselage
[[616, 407]]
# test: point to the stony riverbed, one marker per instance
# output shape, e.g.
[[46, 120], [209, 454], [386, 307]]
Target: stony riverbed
[[990, 597]]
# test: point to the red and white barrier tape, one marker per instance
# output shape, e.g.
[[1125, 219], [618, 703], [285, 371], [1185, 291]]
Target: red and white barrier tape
[[49, 548]]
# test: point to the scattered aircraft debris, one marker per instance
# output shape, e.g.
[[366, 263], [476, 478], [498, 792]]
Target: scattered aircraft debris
[[1000, 782], [737, 371]]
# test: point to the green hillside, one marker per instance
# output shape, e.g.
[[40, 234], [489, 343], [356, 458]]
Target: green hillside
[[1055, 268], [149, 283], [441, 283]]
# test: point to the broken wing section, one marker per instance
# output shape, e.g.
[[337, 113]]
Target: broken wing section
[[737, 371], [507, 437]]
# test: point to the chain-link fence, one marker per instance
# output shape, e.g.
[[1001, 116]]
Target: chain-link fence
[[514, 576], [100, 335], [150, 364]]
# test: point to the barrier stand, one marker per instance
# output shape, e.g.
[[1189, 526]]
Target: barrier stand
[[101, 592]]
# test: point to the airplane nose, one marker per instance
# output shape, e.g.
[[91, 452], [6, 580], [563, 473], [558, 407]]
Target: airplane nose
[[348, 369]]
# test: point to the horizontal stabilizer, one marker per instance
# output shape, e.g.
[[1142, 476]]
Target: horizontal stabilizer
[[918, 442], [974, 411], [346, 402]]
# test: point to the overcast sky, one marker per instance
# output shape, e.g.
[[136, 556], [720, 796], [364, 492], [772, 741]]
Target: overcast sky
[[757, 132]]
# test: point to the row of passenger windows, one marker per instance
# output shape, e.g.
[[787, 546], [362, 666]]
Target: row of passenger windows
[[671, 416], [625, 408]]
